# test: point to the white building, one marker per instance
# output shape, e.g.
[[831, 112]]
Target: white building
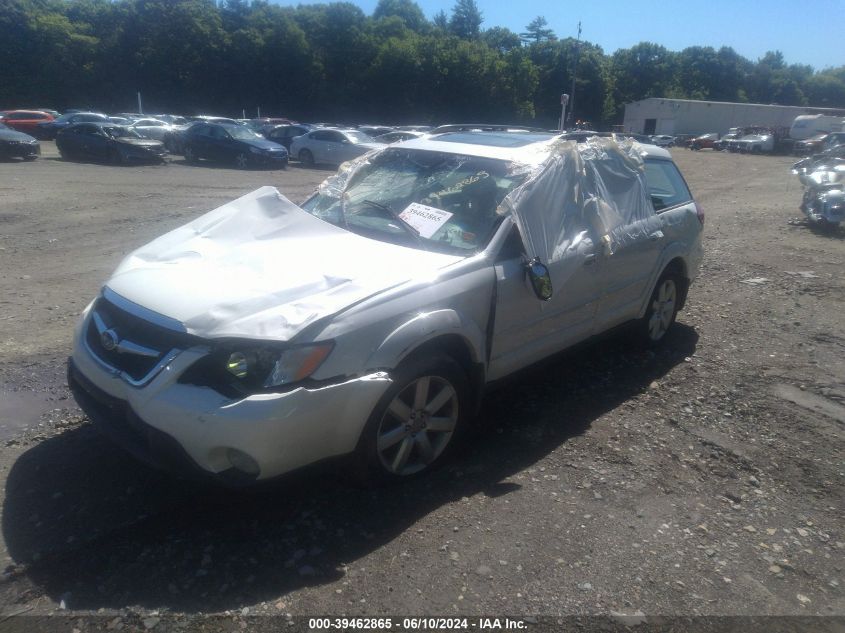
[[685, 116]]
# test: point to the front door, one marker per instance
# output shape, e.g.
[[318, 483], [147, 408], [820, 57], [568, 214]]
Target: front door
[[527, 329]]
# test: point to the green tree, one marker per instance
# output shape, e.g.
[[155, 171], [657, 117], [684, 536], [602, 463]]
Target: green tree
[[407, 10], [466, 19], [644, 70], [537, 32], [501, 39]]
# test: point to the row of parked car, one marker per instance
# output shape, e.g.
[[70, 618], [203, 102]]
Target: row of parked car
[[129, 138]]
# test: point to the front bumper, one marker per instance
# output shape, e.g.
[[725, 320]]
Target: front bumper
[[20, 150], [278, 160], [193, 430]]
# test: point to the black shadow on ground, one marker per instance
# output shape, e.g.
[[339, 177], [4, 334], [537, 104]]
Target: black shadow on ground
[[87, 523]]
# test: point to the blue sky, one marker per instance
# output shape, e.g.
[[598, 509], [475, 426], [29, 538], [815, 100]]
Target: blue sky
[[810, 32]]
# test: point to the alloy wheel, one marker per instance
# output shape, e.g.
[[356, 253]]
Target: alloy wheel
[[662, 309], [417, 425], [241, 161]]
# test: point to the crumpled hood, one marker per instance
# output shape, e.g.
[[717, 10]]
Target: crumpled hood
[[261, 267]]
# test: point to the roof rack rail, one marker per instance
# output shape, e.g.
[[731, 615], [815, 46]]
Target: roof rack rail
[[484, 127]]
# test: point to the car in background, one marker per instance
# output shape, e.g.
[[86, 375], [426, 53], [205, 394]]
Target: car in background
[[266, 336], [232, 144], [705, 141], [14, 144], [151, 128], [374, 130], [834, 139], [265, 123], [331, 146], [171, 119], [663, 140], [818, 143], [49, 129], [284, 134], [25, 121], [107, 142], [755, 143], [397, 136]]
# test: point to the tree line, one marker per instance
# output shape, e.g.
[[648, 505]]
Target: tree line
[[333, 62]]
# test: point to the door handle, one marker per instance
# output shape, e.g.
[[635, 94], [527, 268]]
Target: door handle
[[657, 235], [590, 259]]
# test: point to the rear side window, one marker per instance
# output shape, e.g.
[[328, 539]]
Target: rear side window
[[666, 186]]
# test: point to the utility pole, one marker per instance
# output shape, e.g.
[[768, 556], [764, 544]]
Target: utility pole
[[574, 73]]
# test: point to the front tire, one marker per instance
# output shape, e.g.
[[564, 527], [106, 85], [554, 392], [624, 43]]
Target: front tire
[[662, 309], [417, 422], [306, 158], [242, 161], [190, 155]]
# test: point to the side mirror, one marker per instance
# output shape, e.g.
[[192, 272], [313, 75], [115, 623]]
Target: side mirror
[[541, 280]]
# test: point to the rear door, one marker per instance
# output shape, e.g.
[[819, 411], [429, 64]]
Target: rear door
[[629, 274]]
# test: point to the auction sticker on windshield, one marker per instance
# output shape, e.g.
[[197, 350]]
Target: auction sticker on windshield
[[426, 220]]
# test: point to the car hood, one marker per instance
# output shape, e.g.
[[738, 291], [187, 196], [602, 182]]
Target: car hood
[[13, 135], [140, 142], [266, 145], [260, 267]]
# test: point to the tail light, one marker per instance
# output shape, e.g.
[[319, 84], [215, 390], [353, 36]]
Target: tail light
[[699, 211]]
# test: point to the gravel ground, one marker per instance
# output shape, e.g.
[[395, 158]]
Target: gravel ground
[[702, 479]]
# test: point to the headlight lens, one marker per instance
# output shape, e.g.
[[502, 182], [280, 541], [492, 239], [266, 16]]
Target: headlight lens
[[267, 367], [297, 364]]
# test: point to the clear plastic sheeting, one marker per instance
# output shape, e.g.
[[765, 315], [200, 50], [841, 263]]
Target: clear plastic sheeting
[[582, 191]]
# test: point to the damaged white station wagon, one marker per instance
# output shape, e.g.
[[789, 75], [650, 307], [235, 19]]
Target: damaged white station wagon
[[265, 336]]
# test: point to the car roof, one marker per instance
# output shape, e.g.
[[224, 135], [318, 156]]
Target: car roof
[[522, 147]]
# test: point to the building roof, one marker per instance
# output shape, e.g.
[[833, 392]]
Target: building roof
[[805, 109]]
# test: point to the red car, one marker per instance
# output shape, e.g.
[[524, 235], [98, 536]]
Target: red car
[[25, 120]]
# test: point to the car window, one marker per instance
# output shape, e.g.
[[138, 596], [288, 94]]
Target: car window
[[322, 136], [666, 186]]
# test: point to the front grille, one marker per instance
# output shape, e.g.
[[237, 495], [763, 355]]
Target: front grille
[[132, 329]]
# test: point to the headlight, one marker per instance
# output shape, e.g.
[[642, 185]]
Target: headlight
[[267, 368]]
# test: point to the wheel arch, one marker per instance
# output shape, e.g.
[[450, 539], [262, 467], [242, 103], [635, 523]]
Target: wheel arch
[[439, 331], [677, 264]]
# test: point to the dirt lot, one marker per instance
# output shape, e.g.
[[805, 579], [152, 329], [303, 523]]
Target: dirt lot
[[704, 479]]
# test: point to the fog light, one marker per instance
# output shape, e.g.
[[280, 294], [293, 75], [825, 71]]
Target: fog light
[[242, 462], [238, 364]]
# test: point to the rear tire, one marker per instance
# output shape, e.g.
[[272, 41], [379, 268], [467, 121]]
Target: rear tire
[[190, 156], [242, 161], [662, 309], [417, 423]]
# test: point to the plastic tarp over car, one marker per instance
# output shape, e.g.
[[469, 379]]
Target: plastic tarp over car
[[582, 191]]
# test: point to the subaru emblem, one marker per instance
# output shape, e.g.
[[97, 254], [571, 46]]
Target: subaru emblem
[[109, 340]]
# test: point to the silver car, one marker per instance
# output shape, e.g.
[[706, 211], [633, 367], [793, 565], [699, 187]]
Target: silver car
[[331, 146], [152, 128], [266, 336]]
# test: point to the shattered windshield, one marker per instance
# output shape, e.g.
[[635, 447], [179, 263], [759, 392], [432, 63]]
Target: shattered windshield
[[430, 200]]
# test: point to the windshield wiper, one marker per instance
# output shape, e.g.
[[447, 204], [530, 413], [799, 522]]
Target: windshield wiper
[[410, 230]]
